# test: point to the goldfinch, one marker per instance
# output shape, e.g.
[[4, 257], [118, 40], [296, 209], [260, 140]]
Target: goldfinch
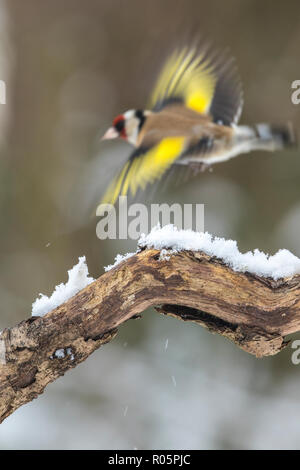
[[192, 119]]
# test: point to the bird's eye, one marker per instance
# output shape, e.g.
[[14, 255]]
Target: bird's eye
[[119, 124]]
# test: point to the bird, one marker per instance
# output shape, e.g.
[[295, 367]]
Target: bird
[[191, 119]]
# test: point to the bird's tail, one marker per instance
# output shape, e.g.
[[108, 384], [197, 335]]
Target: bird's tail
[[268, 137]]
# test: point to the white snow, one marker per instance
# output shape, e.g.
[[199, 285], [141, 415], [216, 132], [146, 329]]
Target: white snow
[[118, 260], [282, 264], [165, 254], [70, 353], [170, 240], [78, 278], [60, 353]]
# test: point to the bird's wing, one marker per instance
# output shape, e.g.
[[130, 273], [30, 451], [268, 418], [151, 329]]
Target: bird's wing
[[205, 82], [162, 147], [145, 165]]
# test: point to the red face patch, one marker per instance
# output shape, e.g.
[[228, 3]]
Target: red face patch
[[119, 125]]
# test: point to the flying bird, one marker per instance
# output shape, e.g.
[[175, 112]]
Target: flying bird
[[192, 120]]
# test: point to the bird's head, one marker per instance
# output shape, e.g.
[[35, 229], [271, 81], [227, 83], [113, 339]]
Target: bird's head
[[127, 126]]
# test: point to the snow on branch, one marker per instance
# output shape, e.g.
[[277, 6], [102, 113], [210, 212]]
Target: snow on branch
[[251, 299], [282, 264]]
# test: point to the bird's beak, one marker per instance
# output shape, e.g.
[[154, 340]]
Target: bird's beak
[[111, 133]]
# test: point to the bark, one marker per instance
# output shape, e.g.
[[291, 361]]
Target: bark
[[255, 313]]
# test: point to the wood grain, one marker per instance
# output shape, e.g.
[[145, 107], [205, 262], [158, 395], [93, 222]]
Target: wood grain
[[256, 313]]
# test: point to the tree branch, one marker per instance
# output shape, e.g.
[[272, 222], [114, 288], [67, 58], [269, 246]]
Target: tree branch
[[255, 313]]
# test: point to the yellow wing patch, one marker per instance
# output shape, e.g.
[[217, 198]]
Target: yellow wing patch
[[186, 76], [145, 168]]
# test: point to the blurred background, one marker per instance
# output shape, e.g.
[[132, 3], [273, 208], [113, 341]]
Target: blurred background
[[70, 67]]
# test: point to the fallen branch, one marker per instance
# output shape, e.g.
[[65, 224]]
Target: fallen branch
[[256, 313]]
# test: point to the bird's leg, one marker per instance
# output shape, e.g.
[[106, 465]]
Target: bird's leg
[[198, 167]]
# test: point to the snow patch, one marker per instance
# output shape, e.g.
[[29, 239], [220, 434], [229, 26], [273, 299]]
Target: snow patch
[[70, 353], [59, 353], [165, 255], [282, 264], [170, 240], [62, 352], [78, 278], [118, 260]]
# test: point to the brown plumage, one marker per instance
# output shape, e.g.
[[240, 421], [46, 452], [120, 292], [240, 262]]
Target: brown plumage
[[177, 120], [192, 120]]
